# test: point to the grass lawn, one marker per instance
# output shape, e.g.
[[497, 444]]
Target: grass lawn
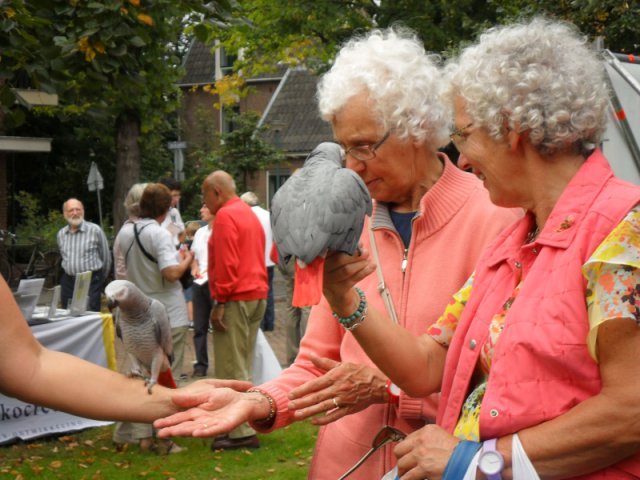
[[91, 455]]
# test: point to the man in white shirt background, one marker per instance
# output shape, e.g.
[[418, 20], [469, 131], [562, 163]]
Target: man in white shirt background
[[201, 298], [251, 199], [173, 221]]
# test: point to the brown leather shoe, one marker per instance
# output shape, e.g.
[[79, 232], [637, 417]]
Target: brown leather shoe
[[235, 443]]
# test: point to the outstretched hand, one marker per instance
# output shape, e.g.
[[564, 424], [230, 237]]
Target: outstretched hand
[[345, 388], [213, 407]]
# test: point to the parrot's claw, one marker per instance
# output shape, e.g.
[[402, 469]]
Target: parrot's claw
[[136, 373], [150, 383]]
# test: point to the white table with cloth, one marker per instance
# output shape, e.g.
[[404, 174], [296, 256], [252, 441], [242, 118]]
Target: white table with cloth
[[90, 337]]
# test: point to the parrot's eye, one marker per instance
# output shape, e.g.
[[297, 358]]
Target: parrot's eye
[[366, 152]]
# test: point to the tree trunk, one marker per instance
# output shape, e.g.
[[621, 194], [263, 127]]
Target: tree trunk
[[127, 162]]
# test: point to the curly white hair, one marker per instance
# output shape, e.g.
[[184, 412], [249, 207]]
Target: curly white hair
[[402, 80], [541, 77]]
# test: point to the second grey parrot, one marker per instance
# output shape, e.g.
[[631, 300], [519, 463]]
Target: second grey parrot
[[321, 207], [146, 332]]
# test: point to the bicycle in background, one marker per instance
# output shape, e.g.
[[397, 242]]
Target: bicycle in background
[[19, 260]]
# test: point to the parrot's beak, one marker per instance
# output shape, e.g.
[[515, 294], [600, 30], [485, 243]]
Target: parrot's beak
[[111, 304]]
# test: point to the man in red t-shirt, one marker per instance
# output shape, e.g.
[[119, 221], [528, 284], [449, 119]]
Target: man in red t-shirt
[[238, 283]]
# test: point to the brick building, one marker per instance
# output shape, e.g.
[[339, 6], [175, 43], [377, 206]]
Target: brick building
[[285, 101]]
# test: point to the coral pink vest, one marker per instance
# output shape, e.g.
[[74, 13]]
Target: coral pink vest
[[541, 366]]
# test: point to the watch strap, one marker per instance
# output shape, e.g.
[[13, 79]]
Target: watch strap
[[393, 391]]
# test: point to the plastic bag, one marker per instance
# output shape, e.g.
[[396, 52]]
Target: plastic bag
[[391, 474], [522, 467]]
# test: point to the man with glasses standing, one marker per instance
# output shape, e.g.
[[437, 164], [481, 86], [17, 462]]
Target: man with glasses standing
[[83, 247]]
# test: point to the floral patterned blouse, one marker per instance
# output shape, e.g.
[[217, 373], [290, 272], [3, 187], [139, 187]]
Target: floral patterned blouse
[[613, 291]]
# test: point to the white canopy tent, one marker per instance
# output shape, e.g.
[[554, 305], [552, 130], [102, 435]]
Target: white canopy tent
[[623, 132]]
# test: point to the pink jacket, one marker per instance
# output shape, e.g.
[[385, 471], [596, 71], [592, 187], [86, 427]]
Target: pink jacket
[[456, 221], [541, 367]]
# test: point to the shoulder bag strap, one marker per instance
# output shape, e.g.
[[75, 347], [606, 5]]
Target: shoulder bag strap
[[136, 234], [382, 287]]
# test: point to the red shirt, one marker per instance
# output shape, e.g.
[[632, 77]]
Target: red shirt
[[236, 254]]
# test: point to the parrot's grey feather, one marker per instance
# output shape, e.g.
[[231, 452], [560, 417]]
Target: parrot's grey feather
[[320, 207], [144, 325]]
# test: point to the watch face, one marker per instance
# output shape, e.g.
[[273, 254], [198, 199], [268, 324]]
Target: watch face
[[394, 389], [490, 463]]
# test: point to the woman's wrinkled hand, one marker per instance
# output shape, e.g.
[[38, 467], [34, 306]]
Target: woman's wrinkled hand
[[212, 407], [352, 386], [425, 453], [341, 273]]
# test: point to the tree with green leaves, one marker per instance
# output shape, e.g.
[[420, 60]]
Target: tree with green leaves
[[613, 20], [114, 62], [310, 32], [111, 59], [242, 152]]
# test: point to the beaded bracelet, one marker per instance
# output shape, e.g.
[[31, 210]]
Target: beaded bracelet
[[354, 320], [272, 406]]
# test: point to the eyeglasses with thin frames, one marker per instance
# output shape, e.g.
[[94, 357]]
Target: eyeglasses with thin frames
[[387, 434], [459, 135], [366, 152]]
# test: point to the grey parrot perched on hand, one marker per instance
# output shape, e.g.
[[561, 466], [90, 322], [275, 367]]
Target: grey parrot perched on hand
[[144, 326], [321, 207]]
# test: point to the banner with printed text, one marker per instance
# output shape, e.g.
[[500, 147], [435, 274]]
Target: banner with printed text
[[89, 337]]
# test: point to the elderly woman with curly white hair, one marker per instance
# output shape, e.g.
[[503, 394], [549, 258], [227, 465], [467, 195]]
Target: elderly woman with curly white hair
[[537, 357], [431, 220]]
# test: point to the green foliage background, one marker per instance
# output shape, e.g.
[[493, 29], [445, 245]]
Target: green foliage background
[[108, 65]]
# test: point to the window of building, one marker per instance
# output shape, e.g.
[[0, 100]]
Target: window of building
[[277, 176]]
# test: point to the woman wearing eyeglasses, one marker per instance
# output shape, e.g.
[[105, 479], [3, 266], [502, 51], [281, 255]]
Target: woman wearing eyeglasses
[[430, 223], [537, 357]]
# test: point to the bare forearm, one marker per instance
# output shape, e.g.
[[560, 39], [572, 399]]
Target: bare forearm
[[174, 272], [68, 383], [32, 373], [392, 348], [594, 435], [603, 429]]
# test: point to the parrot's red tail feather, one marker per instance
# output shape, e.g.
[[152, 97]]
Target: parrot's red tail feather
[[307, 285], [166, 379]]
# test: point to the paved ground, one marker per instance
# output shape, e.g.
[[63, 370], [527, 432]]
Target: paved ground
[[276, 338]]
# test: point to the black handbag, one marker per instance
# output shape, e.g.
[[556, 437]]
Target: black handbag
[[186, 279]]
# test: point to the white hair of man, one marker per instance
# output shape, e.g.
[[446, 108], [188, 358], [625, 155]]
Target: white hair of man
[[250, 199], [401, 79], [541, 77], [73, 212]]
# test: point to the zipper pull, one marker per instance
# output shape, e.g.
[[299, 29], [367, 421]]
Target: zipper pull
[[405, 261]]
